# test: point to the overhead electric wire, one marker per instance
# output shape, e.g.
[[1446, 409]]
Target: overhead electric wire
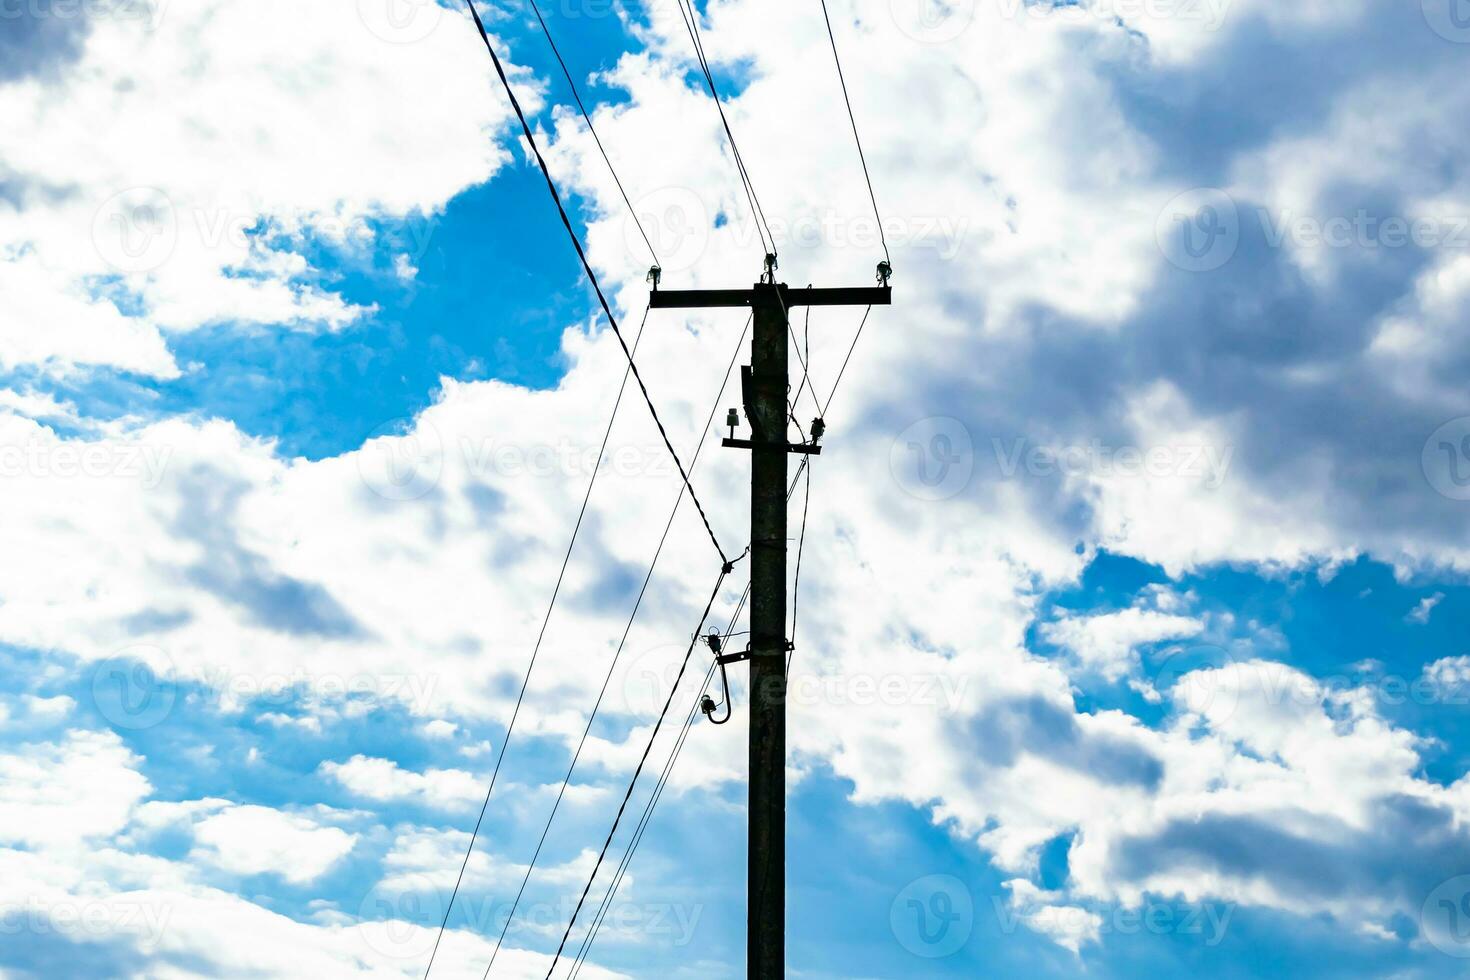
[[796, 581], [617, 654], [654, 798], [535, 650], [843, 370], [593, 130], [652, 803], [758, 215], [587, 268], [642, 761], [856, 138], [805, 360]]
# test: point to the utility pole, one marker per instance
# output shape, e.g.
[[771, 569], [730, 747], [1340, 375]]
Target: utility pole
[[765, 384]]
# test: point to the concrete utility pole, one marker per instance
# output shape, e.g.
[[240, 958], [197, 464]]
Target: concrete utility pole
[[764, 391]]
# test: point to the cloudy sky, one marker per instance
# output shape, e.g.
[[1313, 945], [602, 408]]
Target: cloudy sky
[[1132, 607]]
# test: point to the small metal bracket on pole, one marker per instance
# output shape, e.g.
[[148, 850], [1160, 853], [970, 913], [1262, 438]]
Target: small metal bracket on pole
[[725, 659], [799, 448]]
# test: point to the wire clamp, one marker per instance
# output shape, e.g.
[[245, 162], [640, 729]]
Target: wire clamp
[[769, 276], [885, 272], [655, 276]]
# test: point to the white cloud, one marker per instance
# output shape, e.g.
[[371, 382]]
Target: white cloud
[[1108, 642], [329, 127], [1420, 614], [63, 793], [439, 728], [383, 780], [1043, 310], [258, 840]]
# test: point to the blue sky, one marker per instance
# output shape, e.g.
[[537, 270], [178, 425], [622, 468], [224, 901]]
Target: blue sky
[[1133, 600]]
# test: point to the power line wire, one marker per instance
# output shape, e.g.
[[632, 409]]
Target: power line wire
[[796, 583], [843, 370], [617, 654], [856, 138], [593, 130], [535, 651], [657, 795], [758, 215], [642, 761], [587, 268], [652, 803]]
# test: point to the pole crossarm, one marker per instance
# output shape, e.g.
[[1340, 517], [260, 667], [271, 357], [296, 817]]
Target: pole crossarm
[[688, 299]]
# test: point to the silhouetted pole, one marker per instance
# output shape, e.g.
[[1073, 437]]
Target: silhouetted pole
[[765, 387]]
